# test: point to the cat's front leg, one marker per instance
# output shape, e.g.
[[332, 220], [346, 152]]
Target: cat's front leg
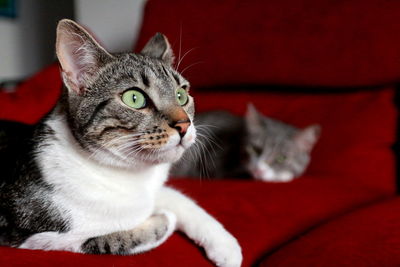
[[220, 246], [148, 235]]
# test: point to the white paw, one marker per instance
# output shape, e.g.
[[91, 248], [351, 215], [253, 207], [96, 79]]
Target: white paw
[[171, 217], [224, 250], [153, 223], [53, 241]]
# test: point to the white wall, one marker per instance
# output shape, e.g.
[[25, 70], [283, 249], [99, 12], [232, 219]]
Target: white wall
[[18, 46], [115, 23], [27, 41]]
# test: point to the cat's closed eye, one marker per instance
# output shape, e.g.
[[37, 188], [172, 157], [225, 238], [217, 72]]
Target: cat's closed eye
[[280, 159], [254, 150]]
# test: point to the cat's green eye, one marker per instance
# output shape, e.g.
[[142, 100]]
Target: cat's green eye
[[280, 159], [182, 96], [134, 99]]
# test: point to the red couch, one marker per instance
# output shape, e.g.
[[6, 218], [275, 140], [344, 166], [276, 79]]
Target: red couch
[[335, 63]]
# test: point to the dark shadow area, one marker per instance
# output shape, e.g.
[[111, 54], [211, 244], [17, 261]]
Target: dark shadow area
[[292, 89]]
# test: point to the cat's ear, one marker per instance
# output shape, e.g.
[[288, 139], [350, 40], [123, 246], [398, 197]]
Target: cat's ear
[[158, 47], [252, 118], [306, 138], [80, 55]]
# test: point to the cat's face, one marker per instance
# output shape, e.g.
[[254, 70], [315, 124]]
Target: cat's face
[[125, 109], [276, 151]]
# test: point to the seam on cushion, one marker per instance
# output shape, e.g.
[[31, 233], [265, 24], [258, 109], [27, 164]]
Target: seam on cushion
[[396, 145], [294, 89]]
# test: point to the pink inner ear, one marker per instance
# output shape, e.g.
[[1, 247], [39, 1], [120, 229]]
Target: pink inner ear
[[68, 65], [307, 138], [252, 117], [78, 58]]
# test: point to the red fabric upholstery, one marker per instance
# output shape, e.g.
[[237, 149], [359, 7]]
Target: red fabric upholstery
[[261, 215], [368, 237], [310, 42], [33, 98]]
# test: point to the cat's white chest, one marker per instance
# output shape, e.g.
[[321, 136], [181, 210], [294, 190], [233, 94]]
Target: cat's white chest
[[99, 201], [102, 205], [95, 199]]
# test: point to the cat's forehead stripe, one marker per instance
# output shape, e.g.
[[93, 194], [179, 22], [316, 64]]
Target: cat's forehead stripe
[[176, 78], [165, 71], [145, 79]]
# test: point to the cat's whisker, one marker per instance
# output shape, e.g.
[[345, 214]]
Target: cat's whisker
[[184, 55], [130, 149], [207, 153], [111, 143], [131, 141], [197, 157], [205, 126], [210, 137], [191, 65], [118, 139], [134, 152], [180, 47], [211, 140], [134, 144], [203, 168], [98, 150], [127, 151], [206, 135], [135, 149], [199, 154]]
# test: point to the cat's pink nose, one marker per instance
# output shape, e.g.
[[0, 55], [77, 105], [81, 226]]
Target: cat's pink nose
[[181, 126]]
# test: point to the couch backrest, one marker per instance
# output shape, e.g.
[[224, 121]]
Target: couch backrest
[[311, 42]]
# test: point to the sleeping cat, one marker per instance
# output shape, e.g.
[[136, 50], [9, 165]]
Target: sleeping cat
[[90, 176], [266, 149]]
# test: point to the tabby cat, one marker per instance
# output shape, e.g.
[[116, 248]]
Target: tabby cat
[[90, 176], [256, 145]]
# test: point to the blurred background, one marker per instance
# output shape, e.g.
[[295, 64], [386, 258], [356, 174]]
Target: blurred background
[[27, 30]]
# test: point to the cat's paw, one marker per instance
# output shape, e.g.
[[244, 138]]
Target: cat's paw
[[146, 236], [169, 219], [224, 250], [155, 231], [53, 241]]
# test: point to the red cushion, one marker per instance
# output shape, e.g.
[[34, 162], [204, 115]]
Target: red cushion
[[261, 215], [368, 237], [33, 98], [358, 129], [310, 42]]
